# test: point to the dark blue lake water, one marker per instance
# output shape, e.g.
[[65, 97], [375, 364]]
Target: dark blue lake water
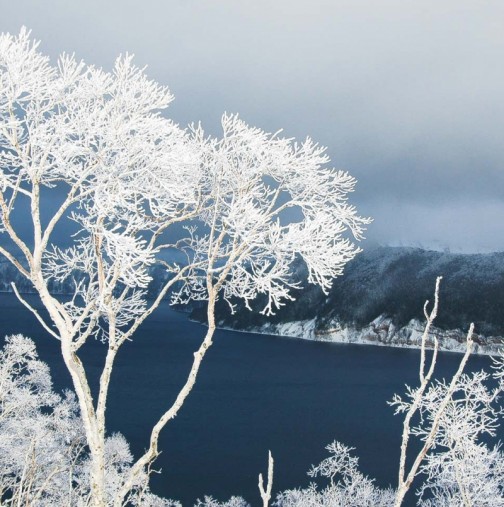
[[255, 393]]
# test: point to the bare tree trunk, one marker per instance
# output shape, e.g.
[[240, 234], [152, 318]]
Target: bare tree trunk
[[82, 390]]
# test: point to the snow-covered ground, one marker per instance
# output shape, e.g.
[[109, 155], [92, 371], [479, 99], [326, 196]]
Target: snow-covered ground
[[382, 332]]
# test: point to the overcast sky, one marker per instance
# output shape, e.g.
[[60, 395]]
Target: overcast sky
[[408, 96]]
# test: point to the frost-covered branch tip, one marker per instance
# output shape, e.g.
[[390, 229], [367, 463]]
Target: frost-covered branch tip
[[266, 493]]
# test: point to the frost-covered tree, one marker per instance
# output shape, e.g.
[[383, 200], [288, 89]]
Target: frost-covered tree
[[421, 417], [234, 501], [82, 145], [464, 469], [41, 437], [452, 420], [347, 486], [44, 458]]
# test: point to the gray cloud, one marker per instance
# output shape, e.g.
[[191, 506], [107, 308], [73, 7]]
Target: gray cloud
[[407, 95]]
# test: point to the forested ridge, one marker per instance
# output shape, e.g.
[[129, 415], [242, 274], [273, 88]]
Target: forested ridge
[[395, 282]]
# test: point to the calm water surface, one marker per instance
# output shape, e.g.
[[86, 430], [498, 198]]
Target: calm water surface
[[254, 393]]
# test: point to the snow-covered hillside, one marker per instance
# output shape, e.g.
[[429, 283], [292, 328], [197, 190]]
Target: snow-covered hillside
[[379, 300], [382, 332]]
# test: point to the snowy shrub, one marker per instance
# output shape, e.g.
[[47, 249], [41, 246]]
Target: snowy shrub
[[347, 486], [44, 460], [234, 501]]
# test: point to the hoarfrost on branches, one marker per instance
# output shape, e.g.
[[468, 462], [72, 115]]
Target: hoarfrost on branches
[[464, 470], [453, 420], [139, 191], [269, 201], [240, 210], [347, 486], [44, 458], [209, 501]]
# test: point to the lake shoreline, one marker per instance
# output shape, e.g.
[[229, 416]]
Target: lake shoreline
[[303, 330]]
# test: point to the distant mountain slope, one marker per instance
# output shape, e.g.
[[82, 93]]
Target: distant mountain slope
[[389, 285], [379, 299]]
